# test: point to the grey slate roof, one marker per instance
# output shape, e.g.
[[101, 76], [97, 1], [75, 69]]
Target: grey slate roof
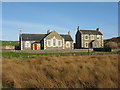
[[67, 37], [94, 32], [39, 37], [33, 37]]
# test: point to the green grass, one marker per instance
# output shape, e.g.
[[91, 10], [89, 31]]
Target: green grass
[[31, 55], [13, 43], [26, 56], [17, 55]]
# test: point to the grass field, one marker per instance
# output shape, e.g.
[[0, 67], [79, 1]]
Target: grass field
[[27, 56], [12, 43], [86, 71], [59, 70]]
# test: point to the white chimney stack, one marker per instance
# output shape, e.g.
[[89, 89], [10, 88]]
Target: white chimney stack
[[20, 30]]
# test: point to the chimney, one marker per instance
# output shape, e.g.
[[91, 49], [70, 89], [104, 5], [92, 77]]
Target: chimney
[[20, 30], [98, 29], [48, 31], [68, 32], [78, 28]]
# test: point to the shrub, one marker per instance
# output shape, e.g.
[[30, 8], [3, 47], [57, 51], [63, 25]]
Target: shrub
[[112, 45], [118, 45]]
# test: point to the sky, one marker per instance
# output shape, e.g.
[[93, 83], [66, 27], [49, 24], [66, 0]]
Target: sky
[[38, 17]]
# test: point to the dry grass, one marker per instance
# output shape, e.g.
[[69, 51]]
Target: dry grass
[[94, 71]]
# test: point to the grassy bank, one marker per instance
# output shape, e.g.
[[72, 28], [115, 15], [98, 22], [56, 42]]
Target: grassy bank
[[12, 43], [93, 71], [24, 55]]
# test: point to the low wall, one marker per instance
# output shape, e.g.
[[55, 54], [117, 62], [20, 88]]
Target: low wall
[[56, 51], [7, 47]]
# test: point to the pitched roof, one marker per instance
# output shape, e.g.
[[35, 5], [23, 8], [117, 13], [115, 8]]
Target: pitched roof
[[67, 37], [39, 37], [33, 37], [95, 32]]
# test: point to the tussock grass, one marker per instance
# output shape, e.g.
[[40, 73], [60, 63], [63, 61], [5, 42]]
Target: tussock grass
[[93, 71]]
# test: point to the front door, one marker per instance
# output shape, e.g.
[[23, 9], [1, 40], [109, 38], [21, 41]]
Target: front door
[[35, 46]]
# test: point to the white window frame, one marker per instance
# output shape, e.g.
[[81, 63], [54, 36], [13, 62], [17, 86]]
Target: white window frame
[[60, 43], [98, 36], [53, 42], [92, 37], [85, 37], [67, 44], [48, 42], [27, 44], [87, 45]]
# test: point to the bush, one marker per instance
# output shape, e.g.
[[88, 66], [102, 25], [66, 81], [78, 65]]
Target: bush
[[118, 45], [112, 45]]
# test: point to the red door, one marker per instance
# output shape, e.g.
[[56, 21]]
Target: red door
[[35, 46]]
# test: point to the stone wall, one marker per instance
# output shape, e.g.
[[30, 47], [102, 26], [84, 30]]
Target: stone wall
[[78, 40], [56, 51], [7, 47], [50, 37], [100, 40]]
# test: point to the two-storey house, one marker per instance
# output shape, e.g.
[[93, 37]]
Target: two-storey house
[[89, 38]]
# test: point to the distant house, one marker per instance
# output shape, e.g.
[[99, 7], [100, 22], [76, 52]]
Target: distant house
[[50, 41], [89, 38]]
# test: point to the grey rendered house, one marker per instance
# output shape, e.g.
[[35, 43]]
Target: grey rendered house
[[50, 41], [88, 38]]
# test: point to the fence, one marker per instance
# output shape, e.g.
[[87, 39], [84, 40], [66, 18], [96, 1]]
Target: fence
[[102, 49]]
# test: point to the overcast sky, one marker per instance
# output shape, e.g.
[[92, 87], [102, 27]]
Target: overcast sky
[[38, 17]]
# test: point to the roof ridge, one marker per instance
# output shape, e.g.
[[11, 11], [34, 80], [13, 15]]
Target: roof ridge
[[30, 33], [90, 30], [63, 34]]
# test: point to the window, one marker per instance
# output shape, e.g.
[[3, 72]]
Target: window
[[67, 44], [86, 37], [98, 37], [92, 37], [54, 42], [27, 44], [86, 44], [48, 43], [59, 43]]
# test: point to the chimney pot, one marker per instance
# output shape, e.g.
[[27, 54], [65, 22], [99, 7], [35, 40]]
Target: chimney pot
[[20, 30], [68, 32], [48, 31], [98, 29], [78, 28]]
